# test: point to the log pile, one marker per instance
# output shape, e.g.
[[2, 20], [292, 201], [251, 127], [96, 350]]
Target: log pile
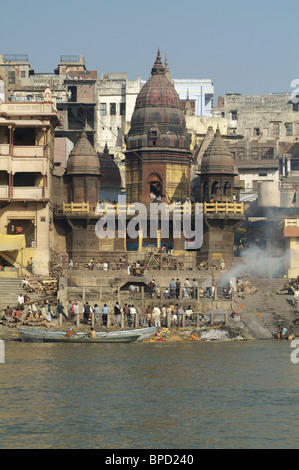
[[46, 286], [215, 266], [168, 262], [287, 289], [246, 287]]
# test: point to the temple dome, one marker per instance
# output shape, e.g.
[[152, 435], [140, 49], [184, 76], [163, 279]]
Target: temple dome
[[83, 159], [158, 119], [217, 158]]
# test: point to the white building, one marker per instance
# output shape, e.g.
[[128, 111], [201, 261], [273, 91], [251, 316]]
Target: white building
[[116, 97], [200, 92]]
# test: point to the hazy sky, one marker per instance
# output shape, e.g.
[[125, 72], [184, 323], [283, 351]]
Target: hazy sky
[[248, 47]]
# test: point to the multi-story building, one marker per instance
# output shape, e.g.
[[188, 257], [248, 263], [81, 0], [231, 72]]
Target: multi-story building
[[116, 97], [262, 131], [22, 83], [26, 163], [199, 92]]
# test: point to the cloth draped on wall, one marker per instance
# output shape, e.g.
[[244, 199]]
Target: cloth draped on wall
[[12, 242]]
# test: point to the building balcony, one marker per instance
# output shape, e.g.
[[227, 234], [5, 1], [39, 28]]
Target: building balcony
[[104, 208], [290, 227], [223, 207], [290, 222], [26, 151], [3, 192], [23, 193]]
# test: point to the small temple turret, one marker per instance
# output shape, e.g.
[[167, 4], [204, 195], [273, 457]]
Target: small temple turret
[[221, 210]]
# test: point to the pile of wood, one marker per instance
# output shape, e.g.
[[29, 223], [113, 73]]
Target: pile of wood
[[287, 289], [203, 265], [168, 262], [45, 286], [215, 266], [294, 282], [246, 287], [56, 273]]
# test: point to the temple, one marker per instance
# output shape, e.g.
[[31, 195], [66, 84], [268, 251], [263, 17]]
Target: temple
[[157, 170]]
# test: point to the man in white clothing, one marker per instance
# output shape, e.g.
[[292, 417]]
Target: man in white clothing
[[157, 316]]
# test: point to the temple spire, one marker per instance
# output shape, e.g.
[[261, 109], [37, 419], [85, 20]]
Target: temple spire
[[167, 73], [158, 68]]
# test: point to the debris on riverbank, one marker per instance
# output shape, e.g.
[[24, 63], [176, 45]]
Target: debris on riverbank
[[204, 334]]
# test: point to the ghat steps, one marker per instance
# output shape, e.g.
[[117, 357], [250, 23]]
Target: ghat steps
[[268, 308], [10, 289]]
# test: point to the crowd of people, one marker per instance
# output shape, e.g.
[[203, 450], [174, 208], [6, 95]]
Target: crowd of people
[[26, 311], [158, 316], [176, 290], [151, 316]]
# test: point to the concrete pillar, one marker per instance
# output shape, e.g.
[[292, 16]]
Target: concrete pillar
[[158, 238], [140, 240]]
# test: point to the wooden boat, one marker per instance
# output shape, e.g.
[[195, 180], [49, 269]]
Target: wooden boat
[[143, 333], [106, 338], [33, 334]]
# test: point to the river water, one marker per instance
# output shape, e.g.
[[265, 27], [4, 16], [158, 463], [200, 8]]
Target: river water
[[149, 396]]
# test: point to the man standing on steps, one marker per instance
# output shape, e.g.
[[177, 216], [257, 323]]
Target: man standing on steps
[[32, 264], [105, 311], [117, 313], [86, 312], [296, 297]]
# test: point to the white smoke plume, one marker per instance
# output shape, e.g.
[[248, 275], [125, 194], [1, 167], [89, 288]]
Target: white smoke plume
[[257, 262]]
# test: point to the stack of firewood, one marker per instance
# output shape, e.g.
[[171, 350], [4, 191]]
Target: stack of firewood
[[168, 262], [246, 287], [291, 283], [45, 286]]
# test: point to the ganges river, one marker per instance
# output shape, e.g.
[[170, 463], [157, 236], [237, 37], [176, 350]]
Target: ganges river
[[217, 395]]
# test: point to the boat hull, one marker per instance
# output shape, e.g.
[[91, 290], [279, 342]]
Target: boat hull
[[104, 339], [40, 336]]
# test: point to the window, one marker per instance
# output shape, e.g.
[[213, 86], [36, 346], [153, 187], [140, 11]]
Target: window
[[289, 128], [256, 131], [234, 115], [23, 74], [22, 226], [112, 109], [103, 109], [275, 127], [11, 77], [122, 109], [227, 189]]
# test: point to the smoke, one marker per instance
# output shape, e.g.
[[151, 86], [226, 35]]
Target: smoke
[[257, 262]]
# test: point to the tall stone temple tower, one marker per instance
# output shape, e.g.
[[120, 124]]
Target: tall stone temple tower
[[222, 212], [82, 184], [158, 145]]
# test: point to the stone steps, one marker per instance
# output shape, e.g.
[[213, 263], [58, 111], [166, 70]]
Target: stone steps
[[274, 309], [10, 289]]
